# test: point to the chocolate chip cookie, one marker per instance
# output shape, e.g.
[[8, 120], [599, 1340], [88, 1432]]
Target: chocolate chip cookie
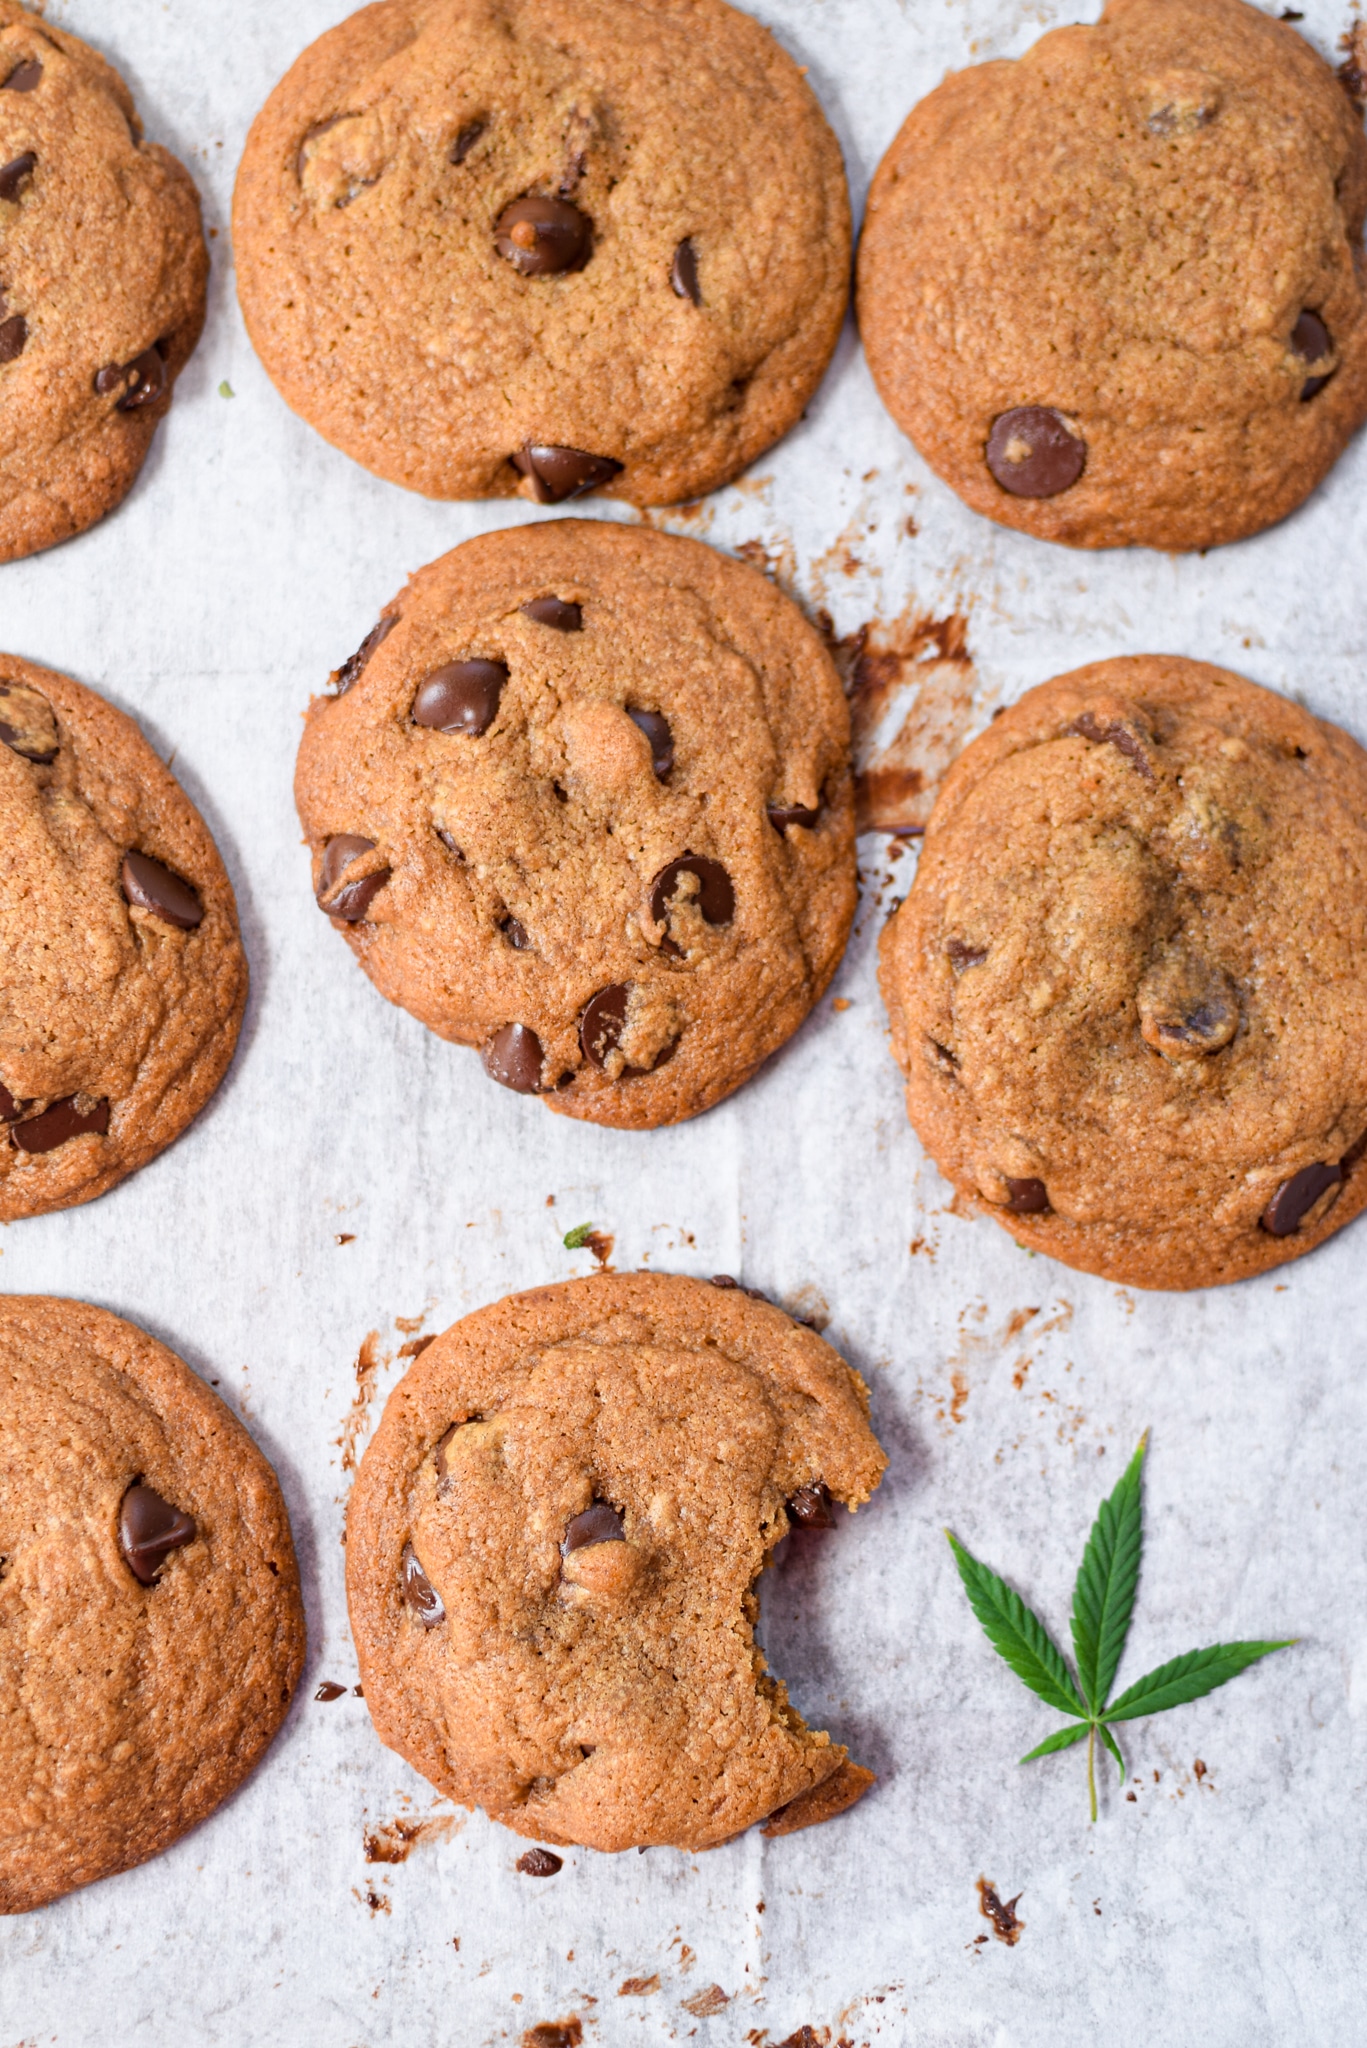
[[1114, 291], [1128, 985], [552, 1554], [490, 247], [102, 279], [583, 801], [151, 1629], [124, 979]]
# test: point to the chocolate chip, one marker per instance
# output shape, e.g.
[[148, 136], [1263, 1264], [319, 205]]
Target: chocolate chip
[[715, 896], [329, 1690], [513, 1059], [559, 473], [729, 1280], [683, 273], [515, 934], [466, 140], [559, 612], [1034, 453], [342, 678], [150, 886], [462, 697], [11, 1107], [13, 174], [1188, 1006], [149, 1530], [418, 1590], [1310, 341], [28, 724], [58, 1122], [1026, 1197], [1295, 1198], [24, 76], [598, 1524], [811, 1505], [13, 337], [543, 237], [540, 1863], [109, 378], [1125, 738], [781, 816], [655, 726], [603, 1022], [145, 378], [962, 956], [351, 901]]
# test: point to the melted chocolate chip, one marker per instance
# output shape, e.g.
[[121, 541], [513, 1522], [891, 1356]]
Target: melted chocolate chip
[[330, 1690], [558, 473], [1124, 738], [13, 337], [1034, 453], [13, 174], [1026, 1197], [715, 896], [466, 140], [57, 1123], [145, 378], [342, 678], [11, 1109], [1295, 1198], [598, 1524], [781, 816], [149, 1530], [811, 1506], [683, 272], [150, 886], [962, 956], [543, 237], [540, 1863], [28, 724], [513, 1059], [24, 76], [418, 1590], [1310, 341], [351, 901], [603, 1022], [655, 726], [462, 697], [560, 612], [516, 934]]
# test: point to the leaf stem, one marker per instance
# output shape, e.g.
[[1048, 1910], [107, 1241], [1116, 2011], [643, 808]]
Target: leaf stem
[[1091, 1773]]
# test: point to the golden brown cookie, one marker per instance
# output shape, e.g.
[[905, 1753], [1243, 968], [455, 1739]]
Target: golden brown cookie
[[553, 1548], [103, 271], [124, 979], [584, 802], [1129, 984], [151, 1629], [545, 246], [1114, 291]]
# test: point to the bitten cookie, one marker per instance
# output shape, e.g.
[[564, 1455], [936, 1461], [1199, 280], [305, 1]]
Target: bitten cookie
[[124, 979], [151, 1629], [545, 246], [103, 271], [584, 802], [1114, 291], [552, 1553], [1129, 984]]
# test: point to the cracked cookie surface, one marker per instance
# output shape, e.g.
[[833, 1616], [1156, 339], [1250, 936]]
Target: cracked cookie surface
[[1127, 986], [125, 979], [103, 271], [1114, 291], [584, 803], [151, 1628], [545, 246], [552, 1550]]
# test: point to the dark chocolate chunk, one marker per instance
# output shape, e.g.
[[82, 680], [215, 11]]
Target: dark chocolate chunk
[[13, 174], [330, 1690], [109, 378], [24, 76], [781, 816], [1310, 341], [144, 380], [13, 337], [462, 697], [150, 886], [598, 1524], [28, 724], [962, 956], [11, 1107], [418, 1590], [1127, 739], [466, 140], [149, 1530], [683, 272], [540, 1863], [58, 1122], [516, 934], [342, 678], [560, 612], [811, 1506], [1026, 1197], [655, 726], [513, 1058], [1295, 1198], [558, 473], [1034, 453], [543, 237], [351, 901], [603, 1022], [715, 896]]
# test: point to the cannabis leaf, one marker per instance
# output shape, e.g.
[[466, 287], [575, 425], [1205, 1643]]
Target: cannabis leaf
[[1103, 1601], [575, 1240]]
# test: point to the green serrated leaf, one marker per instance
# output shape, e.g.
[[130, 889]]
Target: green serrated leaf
[[1064, 1739], [1114, 1747], [575, 1240], [1103, 1597], [1016, 1634], [1189, 1677]]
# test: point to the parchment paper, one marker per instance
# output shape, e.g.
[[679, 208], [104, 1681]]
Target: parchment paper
[[1220, 1903]]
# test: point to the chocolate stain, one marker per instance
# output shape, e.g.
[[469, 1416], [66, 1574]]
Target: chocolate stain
[[910, 683], [638, 1987], [703, 2004], [777, 560], [367, 1367], [555, 2033], [1005, 1925], [960, 1398], [396, 1839], [415, 1347], [600, 1244], [376, 1901]]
